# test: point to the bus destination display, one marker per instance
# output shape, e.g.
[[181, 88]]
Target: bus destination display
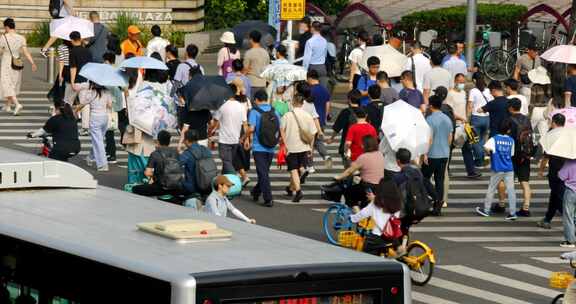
[[352, 298]]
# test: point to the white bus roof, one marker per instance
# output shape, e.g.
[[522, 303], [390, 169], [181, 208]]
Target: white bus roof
[[100, 224]]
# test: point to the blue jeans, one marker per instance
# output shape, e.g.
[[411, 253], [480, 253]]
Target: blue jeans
[[468, 155], [98, 127], [569, 216], [481, 124]]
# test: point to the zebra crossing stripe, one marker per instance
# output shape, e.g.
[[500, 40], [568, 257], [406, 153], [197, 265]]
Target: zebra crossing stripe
[[479, 219], [497, 239], [424, 298], [551, 260], [480, 229], [500, 280], [530, 249], [474, 292], [533, 270]]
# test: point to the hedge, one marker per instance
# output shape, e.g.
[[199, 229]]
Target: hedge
[[502, 17]]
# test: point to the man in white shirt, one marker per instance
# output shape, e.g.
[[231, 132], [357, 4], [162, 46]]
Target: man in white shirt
[[419, 65], [355, 57], [229, 120], [292, 124], [512, 86], [157, 44], [436, 77], [455, 65]]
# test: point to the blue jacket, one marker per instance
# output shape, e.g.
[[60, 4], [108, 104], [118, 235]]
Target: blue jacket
[[189, 162]]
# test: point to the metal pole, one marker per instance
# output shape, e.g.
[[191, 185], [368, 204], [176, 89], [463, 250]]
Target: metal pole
[[51, 70], [470, 31], [291, 44]]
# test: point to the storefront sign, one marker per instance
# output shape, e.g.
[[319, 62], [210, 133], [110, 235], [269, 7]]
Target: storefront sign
[[292, 9]]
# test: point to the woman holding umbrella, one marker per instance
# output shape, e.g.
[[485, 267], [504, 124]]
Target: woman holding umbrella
[[12, 46]]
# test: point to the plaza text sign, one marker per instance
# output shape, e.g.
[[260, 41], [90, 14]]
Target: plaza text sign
[[157, 16], [292, 9]]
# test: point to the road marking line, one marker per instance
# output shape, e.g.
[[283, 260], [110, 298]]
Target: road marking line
[[500, 280], [551, 260], [480, 219], [482, 229], [474, 292], [530, 249], [424, 298], [533, 270], [482, 239]]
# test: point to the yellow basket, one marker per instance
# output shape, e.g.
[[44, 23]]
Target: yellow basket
[[560, 280], [351, 239]]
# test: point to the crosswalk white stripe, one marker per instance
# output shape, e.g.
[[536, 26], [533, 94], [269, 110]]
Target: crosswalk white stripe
[[533, 270], [424, 298], [530, 249], [33, 92], [467, 210], [424, 229], [500, 280], [474, 292], [479, 219], [21, 124], [497, 239], [551, 260]]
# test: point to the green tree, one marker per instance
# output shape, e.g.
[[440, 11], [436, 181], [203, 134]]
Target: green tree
[[224, 13], [331, 7]]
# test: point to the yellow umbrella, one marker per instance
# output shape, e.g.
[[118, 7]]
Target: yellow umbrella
[[560, 142]]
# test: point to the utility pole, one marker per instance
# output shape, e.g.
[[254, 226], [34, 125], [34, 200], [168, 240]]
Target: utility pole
[[572, 29], [471, 31]]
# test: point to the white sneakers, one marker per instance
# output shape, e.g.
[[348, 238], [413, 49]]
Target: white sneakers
[[17, 109]]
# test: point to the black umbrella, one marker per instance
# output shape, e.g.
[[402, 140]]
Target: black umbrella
[[242, 31], [206, 92]]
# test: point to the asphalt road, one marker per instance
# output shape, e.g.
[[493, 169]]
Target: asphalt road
[[479, 260]]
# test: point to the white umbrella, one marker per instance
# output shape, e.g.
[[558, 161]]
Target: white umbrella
[[104, 75], [391, 61], [62, 28], [561, 53], [560, 142], [405, 127], [284, 74]]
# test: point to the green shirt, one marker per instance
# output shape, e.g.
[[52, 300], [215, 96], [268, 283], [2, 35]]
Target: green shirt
[[281, 107]]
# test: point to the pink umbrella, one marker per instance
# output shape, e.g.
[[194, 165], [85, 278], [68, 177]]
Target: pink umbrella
[[569, 113], [561, 53]]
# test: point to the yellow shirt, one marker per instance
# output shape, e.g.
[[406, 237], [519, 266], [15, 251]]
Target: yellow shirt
[[128, 47]]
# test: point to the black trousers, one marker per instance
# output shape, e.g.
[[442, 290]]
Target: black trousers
[[555, 199], [436, 167], [376, 245], [263, 161], [154, 190], [122, 122], [110, 144]]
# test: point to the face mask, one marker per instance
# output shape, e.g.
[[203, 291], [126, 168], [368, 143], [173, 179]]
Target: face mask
[[461, 86], [301, 31]]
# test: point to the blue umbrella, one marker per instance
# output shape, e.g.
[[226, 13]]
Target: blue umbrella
[[143, 62], [104, 75]]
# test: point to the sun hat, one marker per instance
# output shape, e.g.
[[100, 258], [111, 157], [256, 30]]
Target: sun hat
[[133, 30], [539, 75], [228, 37], [223, 180]]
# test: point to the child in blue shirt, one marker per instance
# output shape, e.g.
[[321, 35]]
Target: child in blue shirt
[[501, 149]]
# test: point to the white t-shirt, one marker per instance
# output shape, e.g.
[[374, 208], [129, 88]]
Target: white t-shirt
[[455, 66], [437, 77], [158, 45], [525, 109], [231, 115], [378, 215], [479, 99], [421, 67], [311, 109], [490, 145], [457, 100], [356, 56], [290, 126], [390, 163]]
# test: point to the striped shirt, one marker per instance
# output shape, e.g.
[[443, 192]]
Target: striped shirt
[[64, 54]]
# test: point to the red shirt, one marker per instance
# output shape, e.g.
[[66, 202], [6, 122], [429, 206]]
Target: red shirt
[[355, 135]]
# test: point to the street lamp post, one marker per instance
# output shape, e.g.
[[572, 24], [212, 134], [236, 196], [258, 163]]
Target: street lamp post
[[470, 31]]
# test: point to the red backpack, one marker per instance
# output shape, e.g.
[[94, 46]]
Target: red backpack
[[392, 230]]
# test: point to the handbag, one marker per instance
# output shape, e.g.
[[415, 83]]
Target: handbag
[[524, 77], [305, 136], [17, 64]]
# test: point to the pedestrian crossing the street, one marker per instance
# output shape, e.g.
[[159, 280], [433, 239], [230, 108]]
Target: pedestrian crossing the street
[[522, 256]]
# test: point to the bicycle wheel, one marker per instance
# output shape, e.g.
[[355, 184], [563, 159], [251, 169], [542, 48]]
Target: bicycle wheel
[[336, 219], [418, 261], [558, 299], [495, 65]]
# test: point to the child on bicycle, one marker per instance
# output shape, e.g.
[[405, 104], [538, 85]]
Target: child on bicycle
[[384, 210]]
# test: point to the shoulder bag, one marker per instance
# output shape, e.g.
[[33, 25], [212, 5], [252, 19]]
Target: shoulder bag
[[17, 64], [305, 136]]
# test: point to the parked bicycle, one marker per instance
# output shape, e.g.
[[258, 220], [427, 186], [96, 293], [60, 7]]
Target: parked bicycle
[[343, 63], [340, 230], [493, 61]]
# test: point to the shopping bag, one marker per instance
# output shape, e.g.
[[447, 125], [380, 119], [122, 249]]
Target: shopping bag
[[281, 156]]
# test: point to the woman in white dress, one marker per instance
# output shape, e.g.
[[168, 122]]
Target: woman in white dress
[[12, 46]]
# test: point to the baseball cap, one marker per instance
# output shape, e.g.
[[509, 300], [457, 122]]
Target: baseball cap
[[133, 30], [223, 180]]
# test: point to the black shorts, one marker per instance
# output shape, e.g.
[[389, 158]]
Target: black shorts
[[296, 161], [521, 169]]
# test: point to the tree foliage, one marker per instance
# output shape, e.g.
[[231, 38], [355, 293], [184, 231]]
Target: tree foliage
[[224, 13], [331, 7]]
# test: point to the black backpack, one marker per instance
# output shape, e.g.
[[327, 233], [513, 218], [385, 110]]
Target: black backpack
[[524, 139], [418, 204], [54, 8], [205, 172], [269, 131], [113, 44], [171, 173]]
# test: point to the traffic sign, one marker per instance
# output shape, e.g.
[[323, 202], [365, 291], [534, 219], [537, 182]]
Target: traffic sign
[[292, 9]]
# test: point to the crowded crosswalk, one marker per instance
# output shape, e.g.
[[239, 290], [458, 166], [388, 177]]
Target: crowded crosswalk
[[523, 256]]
